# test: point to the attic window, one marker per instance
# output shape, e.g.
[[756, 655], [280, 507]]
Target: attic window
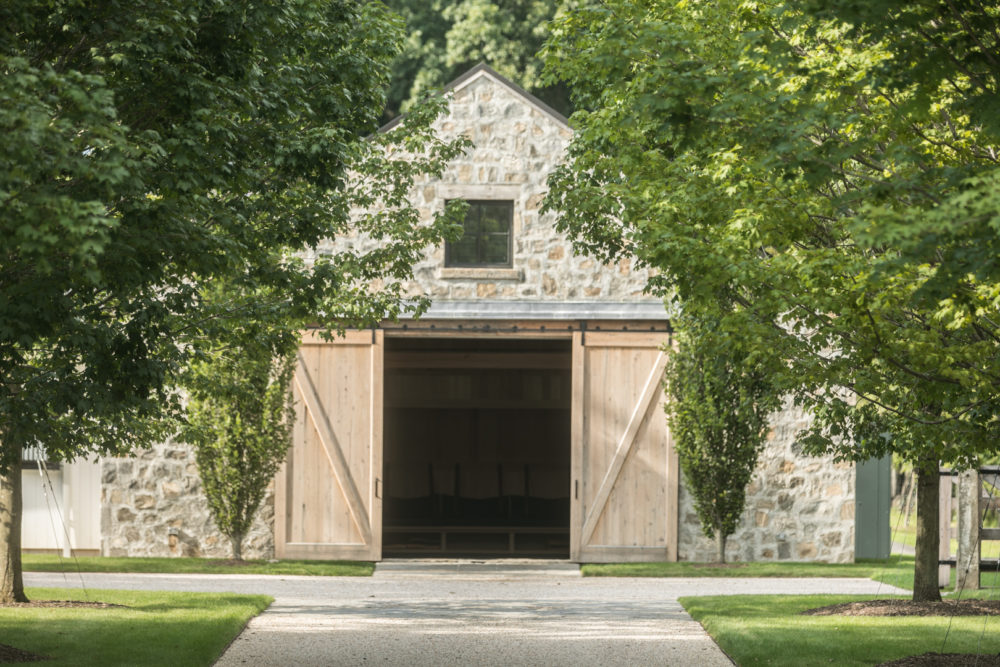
[[487, 238]]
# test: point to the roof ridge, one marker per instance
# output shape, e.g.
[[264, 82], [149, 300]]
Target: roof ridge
[[483, 69]]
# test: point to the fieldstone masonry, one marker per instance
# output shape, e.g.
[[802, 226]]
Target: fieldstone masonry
[[153, 505], [516, 146], [798, 508]]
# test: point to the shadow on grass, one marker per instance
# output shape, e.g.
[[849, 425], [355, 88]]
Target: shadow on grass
[[56, 563], [155, 629]]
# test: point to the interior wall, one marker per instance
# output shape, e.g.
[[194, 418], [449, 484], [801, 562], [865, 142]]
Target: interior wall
[[477, 434]]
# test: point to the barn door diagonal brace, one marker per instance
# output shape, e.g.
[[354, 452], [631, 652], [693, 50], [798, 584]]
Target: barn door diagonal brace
[[646, 400], [334, 453]]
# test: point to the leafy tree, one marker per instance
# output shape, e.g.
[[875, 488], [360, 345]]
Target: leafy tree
[[240, 419], [447, 37], [813, 171], [720, 399], [151, 149]]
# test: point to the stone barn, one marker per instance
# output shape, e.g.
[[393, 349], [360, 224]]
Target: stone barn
[[521, 416]]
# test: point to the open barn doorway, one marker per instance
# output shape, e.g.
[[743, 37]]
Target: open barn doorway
[[477, 447]]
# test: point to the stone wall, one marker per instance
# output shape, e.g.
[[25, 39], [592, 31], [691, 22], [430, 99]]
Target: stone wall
[[153, 505], [516, 145], [798, 507]]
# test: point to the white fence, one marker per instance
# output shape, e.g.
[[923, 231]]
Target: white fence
[[60, 504]]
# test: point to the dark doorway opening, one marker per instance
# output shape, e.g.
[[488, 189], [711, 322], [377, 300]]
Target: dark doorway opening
[[476, 447]]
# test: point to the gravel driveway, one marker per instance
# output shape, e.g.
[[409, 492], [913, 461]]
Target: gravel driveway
[[421, 613]]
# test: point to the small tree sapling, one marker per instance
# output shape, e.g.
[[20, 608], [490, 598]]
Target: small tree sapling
[[240, 419], [719, 403]]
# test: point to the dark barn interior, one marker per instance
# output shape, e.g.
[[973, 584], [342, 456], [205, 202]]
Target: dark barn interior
[[476, 447]]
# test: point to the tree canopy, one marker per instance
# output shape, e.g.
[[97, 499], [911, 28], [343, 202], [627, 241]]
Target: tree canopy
[[447, 37], [752, 151], [152, 148], [806, 164]]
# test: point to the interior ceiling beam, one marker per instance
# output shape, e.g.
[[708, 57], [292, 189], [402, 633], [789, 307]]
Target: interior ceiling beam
[[514, 360]]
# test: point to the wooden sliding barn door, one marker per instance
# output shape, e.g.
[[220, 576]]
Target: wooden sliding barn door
[[625, 472], [327, 503]]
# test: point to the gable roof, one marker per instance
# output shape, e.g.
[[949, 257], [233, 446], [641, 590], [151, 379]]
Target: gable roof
[[483, 70]]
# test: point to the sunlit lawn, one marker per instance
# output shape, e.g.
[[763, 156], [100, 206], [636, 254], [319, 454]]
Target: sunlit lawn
[[155, 629], [768, 630], [897, 571]]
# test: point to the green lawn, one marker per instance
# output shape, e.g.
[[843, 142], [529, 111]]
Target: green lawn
[[907, 535], [767, 630], [156, 628], [897, 570], [54, 563]]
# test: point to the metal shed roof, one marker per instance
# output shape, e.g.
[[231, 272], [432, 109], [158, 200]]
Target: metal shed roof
[[487, 309]]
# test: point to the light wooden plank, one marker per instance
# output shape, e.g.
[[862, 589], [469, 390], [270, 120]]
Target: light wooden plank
[[623, 339], [333, 450], [376, 429], [623, 554], [577, 440], [650, 391], [324, 550], [430, 401], [636, 509], [312, 337], [300, 463], [348, 393]]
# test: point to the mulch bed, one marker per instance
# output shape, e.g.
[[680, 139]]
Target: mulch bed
[[64, 604], [10, 654], [909, 608], [945, 659]]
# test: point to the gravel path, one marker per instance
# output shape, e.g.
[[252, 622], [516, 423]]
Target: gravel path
[[470, 614]]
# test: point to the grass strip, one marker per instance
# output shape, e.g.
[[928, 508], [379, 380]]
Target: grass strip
[[907, 535], [319, 568], [767, 630], [897, 570], [156, 628]]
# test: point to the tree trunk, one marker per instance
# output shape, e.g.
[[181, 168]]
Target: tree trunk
[[720, 546], [12, 584], [925, 566], [237, 542]]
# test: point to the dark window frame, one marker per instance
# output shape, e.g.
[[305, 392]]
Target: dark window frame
[[479, 263]]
